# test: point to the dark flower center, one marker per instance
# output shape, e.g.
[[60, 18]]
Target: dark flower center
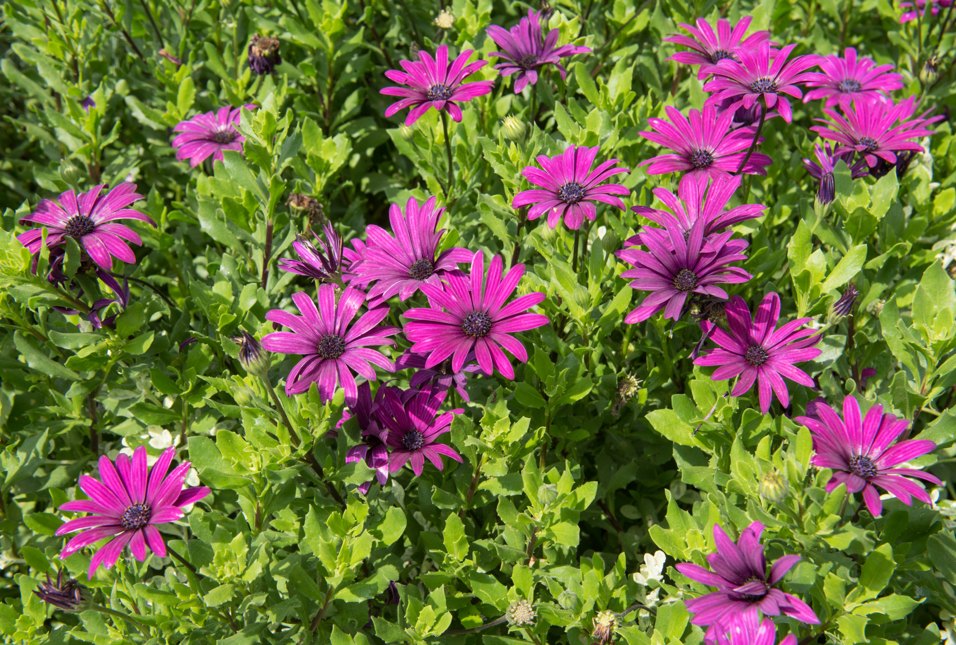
[[421, 270], [330, 347], [720, 55], [224, 137], [79, 225], [754, 597], [863, 467], [527, 61], [849, 85], [869, 143], [438, 92], [571, 193], [701, 159], [371, 440], [685, 280], [413, 440], [477, 325], [136, 517], [756, 355], [761, 85]]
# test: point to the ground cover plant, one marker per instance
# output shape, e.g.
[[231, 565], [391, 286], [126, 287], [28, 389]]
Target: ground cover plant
[[597, 321]]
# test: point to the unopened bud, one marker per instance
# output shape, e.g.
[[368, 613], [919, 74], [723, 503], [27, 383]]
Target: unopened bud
[[609, 242], [774, 487], [520, 613], [251, 355], [513, 128], [844, 305], [547, 494], [406, 132], [930, 72], [69, 172]]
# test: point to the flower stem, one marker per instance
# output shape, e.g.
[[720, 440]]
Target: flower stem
[[574, 252], [126, 617], [462, 632], [122, 29], [451, 169], [846, 23], [267, 254], [149, 15], [753, 144], [183, 561], [534, 108]]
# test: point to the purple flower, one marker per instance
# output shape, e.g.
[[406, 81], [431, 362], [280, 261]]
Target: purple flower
[[920, 7], [209, 134], [569, 187], [746, 628], [321, 261], [859, 450], [526, 49], [402, 264], [90, 219], [432, 82], [68, 595], [709, 47], [87, 103], [761, 72], [674, 268], [372, 449], [866, 373], [333, 346], [743, 584], [474, 319], [822, 169], [877, 131], [413, 429], [703, 145], [440, 376], [844, 80], [757, 351], [127, 506]]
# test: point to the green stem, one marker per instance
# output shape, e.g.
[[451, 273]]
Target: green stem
[[574, 252], [126, 617], [451, 168]]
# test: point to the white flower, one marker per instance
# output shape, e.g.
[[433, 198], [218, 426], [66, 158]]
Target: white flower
[[652, 569], [161, 438]]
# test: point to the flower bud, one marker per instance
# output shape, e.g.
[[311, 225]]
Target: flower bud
[[445, 20], [547, 494], [69, 172], [251, 355], [609, 242], [774, 487], [263, 55], [568, 599], [604, 625], [520, 613], [844, 305], [930, 72], [67, 595], [513, 128], [407, 133]]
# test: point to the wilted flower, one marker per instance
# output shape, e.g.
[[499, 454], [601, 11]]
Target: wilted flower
[[264, 55], [68, 595], [304, 204], [822, 170], [87, 103], [774, 487], [604, 625], [209, 134], [374, 435], [844, 305], [627, 388], [520, 613]]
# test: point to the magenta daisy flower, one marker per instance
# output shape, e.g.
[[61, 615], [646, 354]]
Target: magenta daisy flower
[[703, 145], [739, 571], [470, 315], [432, 82], [756, 351], [709, 47], [526, 50], [877, 131], [372, 449], [920, 7], [859, 450], [674, 268], [440, 376], [845, 79], [209, 134], [127, 506], [402, 264], [746, 628], [413, 428], [333, 346], [321, 261], [569, 187], [91, 220], [761, 72]]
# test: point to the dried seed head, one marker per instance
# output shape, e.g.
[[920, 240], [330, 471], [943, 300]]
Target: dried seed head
[[604, 625], [520, 613]]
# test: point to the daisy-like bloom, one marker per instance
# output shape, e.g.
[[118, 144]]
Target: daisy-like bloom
[[413, 428], [674, 268], [822, 169], [372, 449], [877, 131], [746, 628], [920, 6], [440, 376], [321, 260], [761, 73], [127, 505], [859, 450], [332, 345], [433, 82], [526, 49], [208, 134], [710, 47], [756, 351], [91, 219], [739, 571], [402, 264], [705, 144], [844, 80], [470, 315], [569, 187]]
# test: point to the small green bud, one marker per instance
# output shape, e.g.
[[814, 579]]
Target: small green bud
[[930, 72], [513, 128], [251, 355], [520, 613], [407, 133], [69, 172], [609, 242], [568, 599], [547, 494], [774, 487]]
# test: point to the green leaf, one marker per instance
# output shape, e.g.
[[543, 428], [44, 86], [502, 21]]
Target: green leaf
[[456, 542], [39, 361], [671, 426], [45, 523], [878, 568], [671, 620], [185, 96], [935, 293], [846, 269], [586, 84], [528, 396], [153, 414]]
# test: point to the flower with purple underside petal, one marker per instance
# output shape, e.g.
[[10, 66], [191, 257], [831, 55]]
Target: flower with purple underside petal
[[127, 505], [372, 449], [334, 344], [877, 131], [526, 49], [673, 268], [844, 80], [413, 428], [761, 73], [844, 305], [756, 351], [402, 264], [440, 376], [822, 169], [91, 220], [703, 145], [739, 571], [859, 450], [208, 134], [321, 260], [710, 47], [434, 83], [474, 319], [746, 628], [569, 186], [68, 595], [87, 103]]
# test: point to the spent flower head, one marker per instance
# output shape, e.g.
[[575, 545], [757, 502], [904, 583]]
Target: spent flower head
[[264, 55]]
